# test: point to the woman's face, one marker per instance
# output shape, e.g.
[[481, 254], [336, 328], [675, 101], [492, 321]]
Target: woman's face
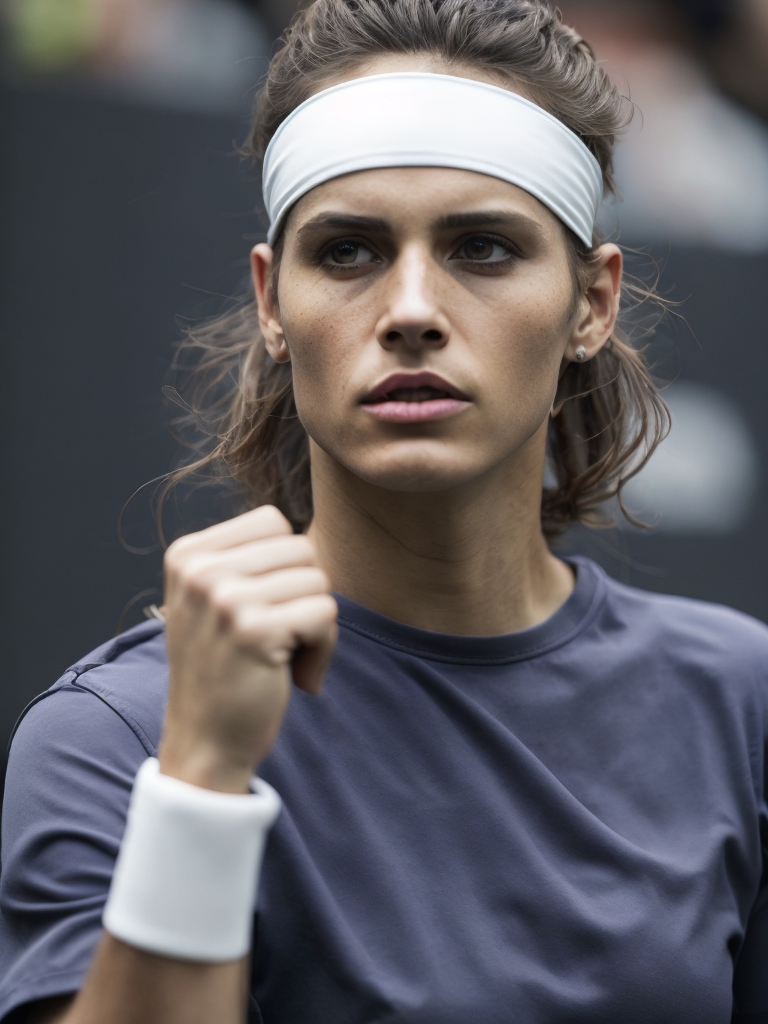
[[409, 271]]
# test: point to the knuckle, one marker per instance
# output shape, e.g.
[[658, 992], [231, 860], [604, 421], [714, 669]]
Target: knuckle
[[327, 607], [274, 519], [173, 559], [180, 547], [179, 554], [321, 579], [190, 574], [252, 631], [304, 548], [223, 600]]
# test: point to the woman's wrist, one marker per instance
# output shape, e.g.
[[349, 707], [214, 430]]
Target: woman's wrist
[[201, 764]]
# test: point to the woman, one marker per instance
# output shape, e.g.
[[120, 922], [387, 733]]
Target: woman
[[513, 790]]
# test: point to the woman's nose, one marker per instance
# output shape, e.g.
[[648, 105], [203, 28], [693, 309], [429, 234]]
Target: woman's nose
[[413, 315]]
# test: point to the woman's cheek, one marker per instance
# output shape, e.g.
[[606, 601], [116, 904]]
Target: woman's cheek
[[527, 370], [317, 371]]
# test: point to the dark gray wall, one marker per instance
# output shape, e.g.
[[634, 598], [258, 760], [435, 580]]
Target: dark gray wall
[[117, 219]]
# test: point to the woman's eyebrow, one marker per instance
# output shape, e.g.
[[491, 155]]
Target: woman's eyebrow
[[450, 221], [485, 218], [344, 222]]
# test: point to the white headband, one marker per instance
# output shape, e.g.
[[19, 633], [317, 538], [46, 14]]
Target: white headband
[[413, 119]]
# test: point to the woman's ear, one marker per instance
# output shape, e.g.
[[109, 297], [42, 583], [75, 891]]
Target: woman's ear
[[262, 258], [598, 307]]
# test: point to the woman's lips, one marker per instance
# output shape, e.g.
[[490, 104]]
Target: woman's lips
[[414, 398], [415, 410]]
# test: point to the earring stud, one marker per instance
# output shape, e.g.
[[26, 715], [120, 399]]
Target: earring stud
[[581, 354]]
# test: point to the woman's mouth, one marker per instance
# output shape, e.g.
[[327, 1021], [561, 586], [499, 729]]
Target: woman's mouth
[[414, 405]]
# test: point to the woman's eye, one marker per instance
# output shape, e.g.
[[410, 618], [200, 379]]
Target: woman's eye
[[483, 250], [348, 254]]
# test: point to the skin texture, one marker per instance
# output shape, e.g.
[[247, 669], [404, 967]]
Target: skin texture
[[435, 524]]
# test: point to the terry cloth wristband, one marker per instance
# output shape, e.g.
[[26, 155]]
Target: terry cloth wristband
[[186, 876]]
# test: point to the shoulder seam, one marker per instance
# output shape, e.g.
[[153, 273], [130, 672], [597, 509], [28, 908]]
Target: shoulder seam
[[69, 677], [73, 674], [73, 677], [121, 713]]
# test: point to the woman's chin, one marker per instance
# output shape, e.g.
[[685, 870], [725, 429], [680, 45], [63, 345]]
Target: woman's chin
[[417, 475]]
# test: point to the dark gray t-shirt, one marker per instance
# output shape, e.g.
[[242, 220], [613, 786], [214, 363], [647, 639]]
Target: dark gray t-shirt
[[561, 826]]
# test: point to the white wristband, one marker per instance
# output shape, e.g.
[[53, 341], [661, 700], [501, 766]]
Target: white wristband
[[186, 876]]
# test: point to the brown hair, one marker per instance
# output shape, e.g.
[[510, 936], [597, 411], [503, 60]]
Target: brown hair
[[247, 432]]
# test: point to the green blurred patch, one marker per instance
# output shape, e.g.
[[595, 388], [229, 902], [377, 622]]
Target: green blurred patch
[[50, 35]]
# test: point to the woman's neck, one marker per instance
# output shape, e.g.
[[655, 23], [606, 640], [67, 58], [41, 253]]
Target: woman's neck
[[470, 561]]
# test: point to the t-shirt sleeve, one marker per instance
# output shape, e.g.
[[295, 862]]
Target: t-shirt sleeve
[[71, 769]]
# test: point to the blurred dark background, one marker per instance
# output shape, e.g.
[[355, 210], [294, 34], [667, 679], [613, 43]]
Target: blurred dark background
[[124, 208]]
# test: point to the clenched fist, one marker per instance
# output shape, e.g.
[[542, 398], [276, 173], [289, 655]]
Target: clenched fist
[[246, 608]]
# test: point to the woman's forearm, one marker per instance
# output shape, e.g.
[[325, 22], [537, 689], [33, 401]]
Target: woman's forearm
[[130, 986]]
